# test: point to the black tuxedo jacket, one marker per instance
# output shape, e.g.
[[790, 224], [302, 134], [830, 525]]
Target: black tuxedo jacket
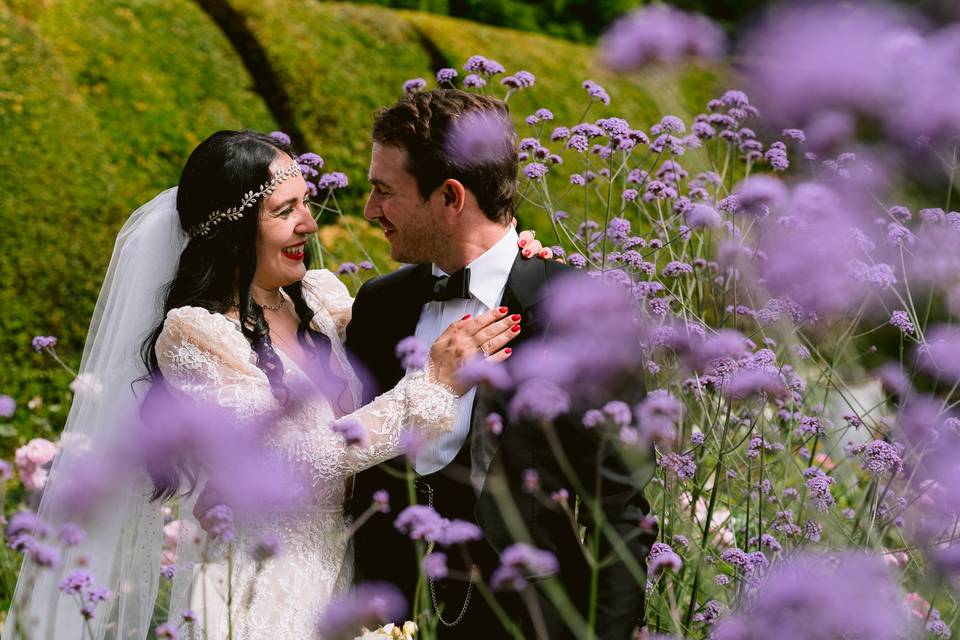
[[385, 311]]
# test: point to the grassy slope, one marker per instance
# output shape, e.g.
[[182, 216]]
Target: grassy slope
[[100, 103]]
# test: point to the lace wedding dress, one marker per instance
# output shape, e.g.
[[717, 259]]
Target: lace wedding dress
[[204, 357]]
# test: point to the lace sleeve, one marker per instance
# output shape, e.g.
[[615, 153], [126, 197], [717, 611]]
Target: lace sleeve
[[204, 357], [324, 290], [416, 404]]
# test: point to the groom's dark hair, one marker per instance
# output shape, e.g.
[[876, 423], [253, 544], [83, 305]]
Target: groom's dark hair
[[448, 133]]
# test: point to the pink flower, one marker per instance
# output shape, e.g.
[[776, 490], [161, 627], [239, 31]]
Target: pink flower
[[38, 451], [30, 461]]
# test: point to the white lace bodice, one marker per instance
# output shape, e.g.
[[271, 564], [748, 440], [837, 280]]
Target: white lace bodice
[[205, 358]]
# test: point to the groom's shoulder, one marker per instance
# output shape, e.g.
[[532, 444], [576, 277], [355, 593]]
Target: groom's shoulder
[[393, 281]]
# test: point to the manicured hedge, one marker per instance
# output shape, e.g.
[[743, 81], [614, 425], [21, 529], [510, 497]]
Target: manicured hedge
[[100, 103]]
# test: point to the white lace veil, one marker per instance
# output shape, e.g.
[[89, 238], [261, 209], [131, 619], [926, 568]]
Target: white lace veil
[[123, 545]]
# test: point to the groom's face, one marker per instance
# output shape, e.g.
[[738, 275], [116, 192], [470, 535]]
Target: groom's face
[[410, 223]]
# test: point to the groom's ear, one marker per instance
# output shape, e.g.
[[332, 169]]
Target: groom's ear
[[454, 194]]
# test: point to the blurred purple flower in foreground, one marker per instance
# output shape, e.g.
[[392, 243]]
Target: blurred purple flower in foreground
[[519, 562], [413, 354], [856, 58], [480, 138], [366, 605], [7, 406], [849, 596], [659, 33]]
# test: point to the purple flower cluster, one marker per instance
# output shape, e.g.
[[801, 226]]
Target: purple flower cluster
[[412, 353], [821, 597], [901, 320], [80, 583], [267, 546], [352, 431], [331, 181], [882, 458], [518, 563], [7, 406], [818, 488], [681, 465], [659, 33], [44, 342], [596, 92], [424, 523], [366, 605], [482, 65], [519, 80], [414, 85], [446, 75]]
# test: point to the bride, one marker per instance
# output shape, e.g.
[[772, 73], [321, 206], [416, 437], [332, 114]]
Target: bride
[[244, 326]]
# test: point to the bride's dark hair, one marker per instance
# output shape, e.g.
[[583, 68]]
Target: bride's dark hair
[[217, 175]]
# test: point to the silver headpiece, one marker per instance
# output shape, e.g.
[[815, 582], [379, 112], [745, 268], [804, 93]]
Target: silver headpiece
[[235, 213]]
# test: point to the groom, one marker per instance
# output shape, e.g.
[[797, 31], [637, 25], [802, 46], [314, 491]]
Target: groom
[[446, 210]]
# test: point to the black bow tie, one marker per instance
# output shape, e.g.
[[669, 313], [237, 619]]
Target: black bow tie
[[456, 285]]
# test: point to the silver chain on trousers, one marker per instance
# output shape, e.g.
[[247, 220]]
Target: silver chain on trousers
[[433, 590]]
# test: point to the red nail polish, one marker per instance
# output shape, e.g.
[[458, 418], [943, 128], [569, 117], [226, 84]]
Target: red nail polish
[[526, 253], [502, 309], [543, 254], [515, 328], [508, 351], [466, 316], [522, 243], [515, 317]]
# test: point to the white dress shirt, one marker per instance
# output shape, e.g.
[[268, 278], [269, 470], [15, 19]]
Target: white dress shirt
[[488, 279]]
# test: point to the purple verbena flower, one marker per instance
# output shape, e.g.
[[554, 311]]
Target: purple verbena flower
[[44, 342], [280, 137], [659, 33], [334, 180], [412, 353], [434, 565], [520, 561], [365, 605], [446, 75], [353, 432], [882, 458]]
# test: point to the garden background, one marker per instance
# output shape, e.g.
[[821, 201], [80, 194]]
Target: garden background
[[101, 102]]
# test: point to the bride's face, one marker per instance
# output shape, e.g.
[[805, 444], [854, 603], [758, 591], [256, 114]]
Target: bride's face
[[285, 224]]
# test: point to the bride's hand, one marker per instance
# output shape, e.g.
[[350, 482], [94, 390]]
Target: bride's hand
[[471, 337], [530, 247]]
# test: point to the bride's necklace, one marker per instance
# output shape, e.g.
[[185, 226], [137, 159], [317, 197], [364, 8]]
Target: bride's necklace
[[276, 307], [272, 308]]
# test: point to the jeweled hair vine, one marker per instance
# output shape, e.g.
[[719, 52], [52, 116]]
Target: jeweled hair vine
[[250, 199]]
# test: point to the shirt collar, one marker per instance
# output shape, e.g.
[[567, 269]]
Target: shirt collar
[[490, 271]]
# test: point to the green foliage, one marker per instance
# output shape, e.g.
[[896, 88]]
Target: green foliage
[[101, 102], [578, 20]]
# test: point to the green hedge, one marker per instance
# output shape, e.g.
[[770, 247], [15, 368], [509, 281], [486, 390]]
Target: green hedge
[[100, 103]]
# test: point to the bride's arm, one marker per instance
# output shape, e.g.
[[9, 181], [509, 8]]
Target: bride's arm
[[416, 406], [204, 358]]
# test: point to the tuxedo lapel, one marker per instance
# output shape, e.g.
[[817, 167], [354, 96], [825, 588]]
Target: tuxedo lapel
[[399, 313], [523, 291], [408, 302]]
